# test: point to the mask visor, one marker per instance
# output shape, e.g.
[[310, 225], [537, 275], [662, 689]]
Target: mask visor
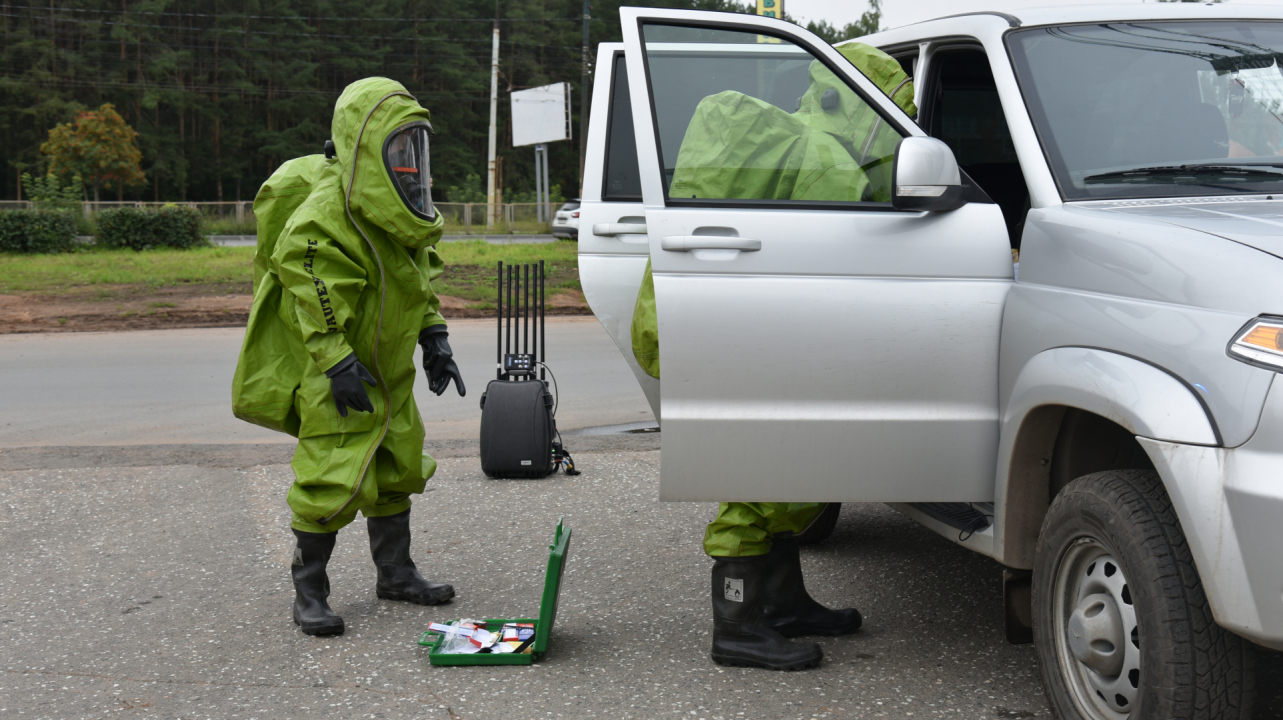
[[405, 153]]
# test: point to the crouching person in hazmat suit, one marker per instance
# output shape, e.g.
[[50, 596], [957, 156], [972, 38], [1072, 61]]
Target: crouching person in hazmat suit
[[834, 147], [343, 292]]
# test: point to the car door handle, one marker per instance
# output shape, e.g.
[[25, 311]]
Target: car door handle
[[686, 243], [613, 229]]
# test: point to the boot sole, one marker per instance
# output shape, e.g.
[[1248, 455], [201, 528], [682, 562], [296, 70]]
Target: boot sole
[[735, 661], [797, 632], [416, 599], [331, 629]]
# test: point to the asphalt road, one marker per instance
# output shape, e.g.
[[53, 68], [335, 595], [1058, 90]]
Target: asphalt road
[[144, 549], [174, 386], [164, 592]]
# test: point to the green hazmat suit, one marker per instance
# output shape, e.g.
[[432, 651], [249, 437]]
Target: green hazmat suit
[[833, 148], [343, 266]]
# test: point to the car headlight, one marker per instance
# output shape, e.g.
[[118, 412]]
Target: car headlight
[[1260, 343]]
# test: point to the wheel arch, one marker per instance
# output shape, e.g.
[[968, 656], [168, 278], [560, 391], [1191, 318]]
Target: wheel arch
[[1075, 411]]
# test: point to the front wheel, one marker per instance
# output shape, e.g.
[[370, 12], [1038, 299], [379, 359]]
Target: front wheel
[[1123, 628]]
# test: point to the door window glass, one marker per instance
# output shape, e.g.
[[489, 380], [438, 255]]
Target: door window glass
[[622, 182], [743, 116], [964, 110]]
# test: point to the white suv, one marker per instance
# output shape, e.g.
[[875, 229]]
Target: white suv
[[1105, 425]]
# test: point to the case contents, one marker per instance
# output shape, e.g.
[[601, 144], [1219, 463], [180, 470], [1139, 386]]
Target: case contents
[[468, 636]]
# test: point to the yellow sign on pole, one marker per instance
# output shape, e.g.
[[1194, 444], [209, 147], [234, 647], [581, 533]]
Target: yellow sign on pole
[[771, 9]]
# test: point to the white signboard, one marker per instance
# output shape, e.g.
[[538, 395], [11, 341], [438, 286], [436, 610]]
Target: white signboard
[[541, 114]]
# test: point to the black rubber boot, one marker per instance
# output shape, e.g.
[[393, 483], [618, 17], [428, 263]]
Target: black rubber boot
[[792, 611], [398, 578], [741, 635], [312, 586]]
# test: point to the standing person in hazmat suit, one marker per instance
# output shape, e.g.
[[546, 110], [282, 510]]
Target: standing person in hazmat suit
[[834, 147], [343, 291]]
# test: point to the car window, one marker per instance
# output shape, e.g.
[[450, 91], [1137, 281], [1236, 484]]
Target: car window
[[570, 206], [1156, 109], [962, 108], [742, 116], [621, 180]]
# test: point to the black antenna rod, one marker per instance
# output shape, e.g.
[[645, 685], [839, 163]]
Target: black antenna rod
[[525, 323], [509, 338], [498, 371], [543, 313]]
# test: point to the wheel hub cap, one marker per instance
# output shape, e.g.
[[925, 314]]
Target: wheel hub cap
[[1096, 634]]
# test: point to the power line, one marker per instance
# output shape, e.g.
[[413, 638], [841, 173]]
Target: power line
[[233, 49], [221, 16], [230, 90]]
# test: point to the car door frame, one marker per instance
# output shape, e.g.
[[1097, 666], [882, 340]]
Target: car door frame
[[678, 482], [611, 265]]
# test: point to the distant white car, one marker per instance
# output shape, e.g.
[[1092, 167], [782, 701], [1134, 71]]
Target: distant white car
[[565, 224]]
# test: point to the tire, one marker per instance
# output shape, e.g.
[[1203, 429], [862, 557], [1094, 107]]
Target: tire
[[1112, 566], [822, 526]]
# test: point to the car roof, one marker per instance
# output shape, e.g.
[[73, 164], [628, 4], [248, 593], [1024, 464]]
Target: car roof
[[1073, 14]]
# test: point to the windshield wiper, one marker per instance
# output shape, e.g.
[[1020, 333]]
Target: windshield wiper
[[1244, 169]]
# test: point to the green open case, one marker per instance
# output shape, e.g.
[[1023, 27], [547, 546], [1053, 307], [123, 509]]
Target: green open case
[[543, 625]]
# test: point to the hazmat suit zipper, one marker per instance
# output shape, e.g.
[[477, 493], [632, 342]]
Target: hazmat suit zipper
[[378, 329]]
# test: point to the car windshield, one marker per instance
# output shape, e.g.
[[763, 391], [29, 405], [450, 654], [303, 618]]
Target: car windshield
[[570, 206], [1157, 109]]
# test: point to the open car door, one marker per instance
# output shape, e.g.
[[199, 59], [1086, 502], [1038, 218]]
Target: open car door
[[815, 344], [612, 226]]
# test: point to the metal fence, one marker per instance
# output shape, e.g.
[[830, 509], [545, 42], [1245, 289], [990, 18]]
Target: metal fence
[[237, 218], [510, 218]]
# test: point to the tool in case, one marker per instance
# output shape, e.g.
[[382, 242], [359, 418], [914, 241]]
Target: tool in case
[[435, 639]]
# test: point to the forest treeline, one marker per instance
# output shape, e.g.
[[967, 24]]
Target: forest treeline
[[221, 92]]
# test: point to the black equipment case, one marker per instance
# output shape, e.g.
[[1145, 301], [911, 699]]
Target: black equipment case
[[518, 430]]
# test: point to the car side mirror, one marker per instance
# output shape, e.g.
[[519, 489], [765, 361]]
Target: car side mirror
[[925, 176]]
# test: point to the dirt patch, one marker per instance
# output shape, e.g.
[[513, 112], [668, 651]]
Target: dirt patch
[[141, 307]]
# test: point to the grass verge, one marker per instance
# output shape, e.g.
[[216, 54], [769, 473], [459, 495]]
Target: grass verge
[[64, 273], [469, 274]]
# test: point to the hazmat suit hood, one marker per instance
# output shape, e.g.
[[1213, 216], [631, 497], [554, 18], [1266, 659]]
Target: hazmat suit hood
[[367, 113], [830, 105]]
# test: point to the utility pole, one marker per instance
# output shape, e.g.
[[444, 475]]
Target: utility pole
[[583, 100], [494, 119]]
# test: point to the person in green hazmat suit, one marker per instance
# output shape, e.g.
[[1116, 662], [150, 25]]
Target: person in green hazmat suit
[[343, 292], [833, 147]]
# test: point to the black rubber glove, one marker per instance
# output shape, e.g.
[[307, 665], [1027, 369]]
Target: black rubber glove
[[438, 361], [345, 383]]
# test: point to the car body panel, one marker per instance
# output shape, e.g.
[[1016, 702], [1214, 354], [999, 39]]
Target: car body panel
[[1144, 399], [1229, 501], [1254, 221], [1136, 286]]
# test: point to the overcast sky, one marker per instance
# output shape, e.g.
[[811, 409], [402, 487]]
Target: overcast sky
[[903, 12]]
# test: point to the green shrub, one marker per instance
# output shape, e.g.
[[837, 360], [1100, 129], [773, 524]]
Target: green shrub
[[171, 226], [37, 231]]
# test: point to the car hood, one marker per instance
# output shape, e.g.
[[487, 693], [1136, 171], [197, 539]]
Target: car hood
[[1255, 222]]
